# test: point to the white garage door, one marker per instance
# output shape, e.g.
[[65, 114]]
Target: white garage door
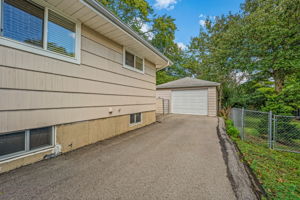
[[192, 102]]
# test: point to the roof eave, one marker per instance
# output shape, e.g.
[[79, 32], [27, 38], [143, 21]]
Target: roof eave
[[108, 14]]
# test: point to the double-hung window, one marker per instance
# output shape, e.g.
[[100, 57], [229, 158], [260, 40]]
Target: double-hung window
[[133, 62], [38, 29], [22, 142]]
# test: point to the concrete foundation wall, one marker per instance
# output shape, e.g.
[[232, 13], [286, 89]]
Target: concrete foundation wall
[[75, 135]]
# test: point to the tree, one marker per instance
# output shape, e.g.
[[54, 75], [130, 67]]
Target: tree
[[164, 28], [272, 31], [255, 53], [133, 12]]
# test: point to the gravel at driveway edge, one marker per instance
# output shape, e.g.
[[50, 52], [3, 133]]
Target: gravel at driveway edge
[[242, 180]]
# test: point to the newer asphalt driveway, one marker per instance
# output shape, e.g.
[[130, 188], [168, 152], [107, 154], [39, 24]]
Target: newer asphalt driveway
[[180, 158]]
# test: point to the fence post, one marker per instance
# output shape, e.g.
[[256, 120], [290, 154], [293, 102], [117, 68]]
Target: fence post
[[270, 130], [243, 118], [274, 132]]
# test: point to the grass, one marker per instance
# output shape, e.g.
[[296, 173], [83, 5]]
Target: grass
[[278, 172]]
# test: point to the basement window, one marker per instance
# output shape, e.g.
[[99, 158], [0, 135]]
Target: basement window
[[23, 142], [136, 118], [133, 62]]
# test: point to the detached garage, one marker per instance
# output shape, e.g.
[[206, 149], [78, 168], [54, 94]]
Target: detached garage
[[190, 96]]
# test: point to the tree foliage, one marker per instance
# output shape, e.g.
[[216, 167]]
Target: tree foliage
[[135, 13], [254, 54]]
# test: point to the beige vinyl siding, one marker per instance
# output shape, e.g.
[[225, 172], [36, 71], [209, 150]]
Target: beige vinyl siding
[[164, 94], [39, 91], [212, 101], [150, 69]]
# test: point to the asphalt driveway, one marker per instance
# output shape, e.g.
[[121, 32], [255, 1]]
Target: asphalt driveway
[[179, 158]]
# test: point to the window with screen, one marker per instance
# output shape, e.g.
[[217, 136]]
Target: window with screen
[[135, 118], [61, 35], [22, 142], [134, 62], [23, 21], [38, 26]]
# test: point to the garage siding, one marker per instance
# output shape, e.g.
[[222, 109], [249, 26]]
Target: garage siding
[[212, 101], [164, 94]]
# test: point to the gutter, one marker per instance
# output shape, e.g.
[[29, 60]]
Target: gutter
[[109, 15]]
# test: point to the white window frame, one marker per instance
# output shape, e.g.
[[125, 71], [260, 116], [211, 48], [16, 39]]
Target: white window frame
[[27, 150], [43, 50], [130, 67], [136, 123]]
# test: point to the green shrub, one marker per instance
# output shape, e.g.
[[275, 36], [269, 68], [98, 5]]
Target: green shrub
[[231, 130], [229, 123]]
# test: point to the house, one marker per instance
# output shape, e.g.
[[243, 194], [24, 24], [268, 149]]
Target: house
[[71, 74], [190, 96]]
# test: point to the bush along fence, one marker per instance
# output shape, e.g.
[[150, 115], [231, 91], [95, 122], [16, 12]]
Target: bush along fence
[[264, 128]]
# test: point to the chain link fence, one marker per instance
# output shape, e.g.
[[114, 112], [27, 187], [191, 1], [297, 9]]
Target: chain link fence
[[263, 128]]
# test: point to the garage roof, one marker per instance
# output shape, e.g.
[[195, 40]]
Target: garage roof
[[187, 83]]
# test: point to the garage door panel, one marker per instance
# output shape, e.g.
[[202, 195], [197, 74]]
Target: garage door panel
[[189, 102]]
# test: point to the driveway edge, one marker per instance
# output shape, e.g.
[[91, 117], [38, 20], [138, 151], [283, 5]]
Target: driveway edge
[[243, 182]]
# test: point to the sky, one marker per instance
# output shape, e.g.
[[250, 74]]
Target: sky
[[190, 14]]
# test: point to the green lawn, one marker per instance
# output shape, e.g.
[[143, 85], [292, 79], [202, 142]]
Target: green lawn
[[277, 171]]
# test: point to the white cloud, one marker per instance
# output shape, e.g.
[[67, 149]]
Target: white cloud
[[181, 45], [72, 35], [204, 17], [145, 28], [165, 4], [202, 22]]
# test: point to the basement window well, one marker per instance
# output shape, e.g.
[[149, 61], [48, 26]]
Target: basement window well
[[23, 142]]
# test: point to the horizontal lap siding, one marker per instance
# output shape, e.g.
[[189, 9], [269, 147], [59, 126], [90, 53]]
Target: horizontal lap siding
[[38, 91], [164, 94], [212, 101]]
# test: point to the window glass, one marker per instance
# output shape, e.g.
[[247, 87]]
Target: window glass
[[61, 34], [135, 118], [139, 63], [23, 21], [138, 118], [12, 143], [40, 137], [129, 59], [132, 119]]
